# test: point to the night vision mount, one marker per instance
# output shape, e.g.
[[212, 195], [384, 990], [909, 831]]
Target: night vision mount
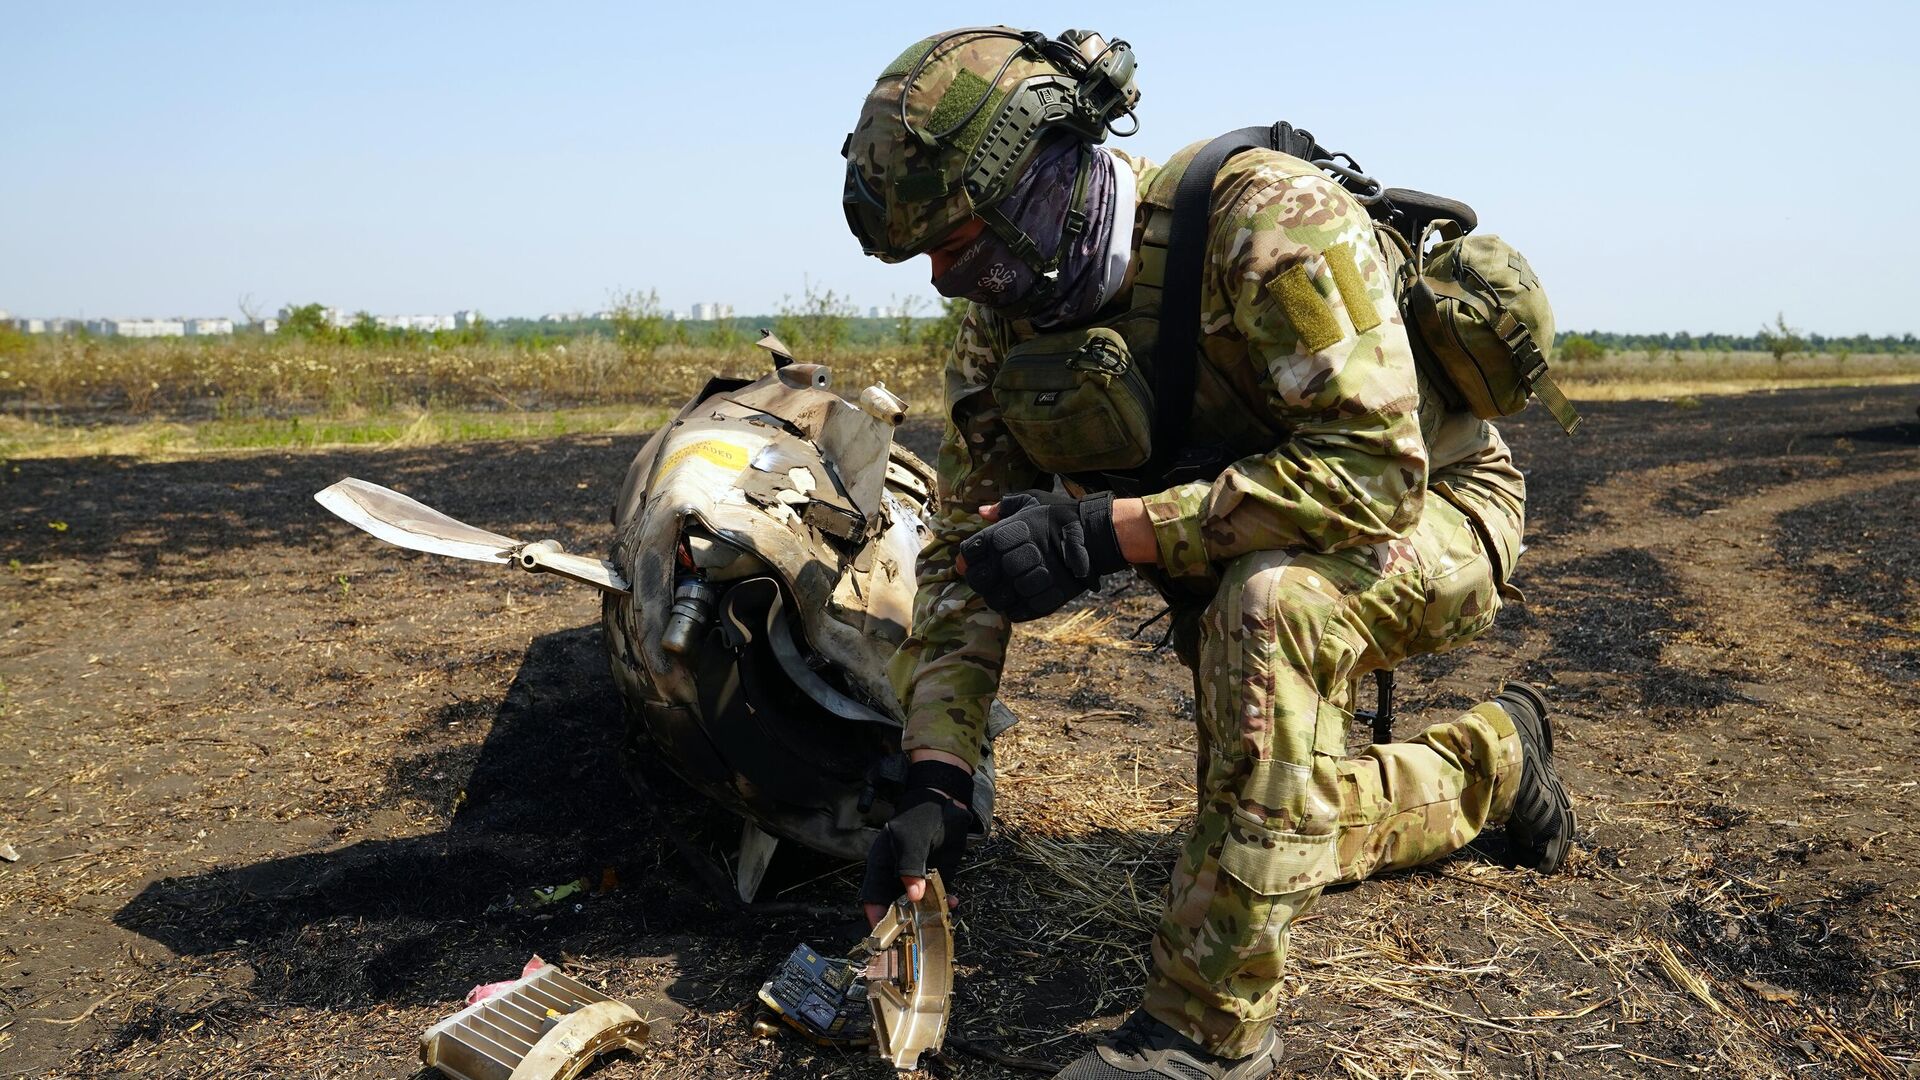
[[1095, 88]]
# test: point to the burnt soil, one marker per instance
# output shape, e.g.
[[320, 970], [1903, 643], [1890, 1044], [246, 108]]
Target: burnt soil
[[279, 793]]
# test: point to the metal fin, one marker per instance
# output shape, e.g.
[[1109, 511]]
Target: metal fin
[[782, 356], [405, 522], [756, 851]]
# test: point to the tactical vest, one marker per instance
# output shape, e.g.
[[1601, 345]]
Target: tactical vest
[[1080, 402]]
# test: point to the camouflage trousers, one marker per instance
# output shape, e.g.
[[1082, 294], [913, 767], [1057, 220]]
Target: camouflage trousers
[[1283, 811]]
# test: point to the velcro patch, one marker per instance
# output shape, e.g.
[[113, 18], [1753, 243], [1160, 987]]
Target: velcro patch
[[1307, 311], [966, 91], [1353, 288], [905, 61], [920, 187]]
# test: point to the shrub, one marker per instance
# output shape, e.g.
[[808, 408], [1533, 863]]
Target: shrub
[[1780, 339], [818, 324], [937, 336], [639, 322], [1577, 350]]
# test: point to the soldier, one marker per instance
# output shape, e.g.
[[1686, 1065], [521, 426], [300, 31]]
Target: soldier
[[1350, 520]]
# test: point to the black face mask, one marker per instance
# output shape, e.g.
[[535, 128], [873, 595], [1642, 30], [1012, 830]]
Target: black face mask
[[990, 273]]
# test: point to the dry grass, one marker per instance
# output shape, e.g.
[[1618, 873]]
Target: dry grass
[[255, 376], [1088, 627], [1373, 985], [167, 440], [1622, 377], [64, 395], [1406, 976]]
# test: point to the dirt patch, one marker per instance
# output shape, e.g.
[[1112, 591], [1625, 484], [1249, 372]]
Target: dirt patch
[[1863, 556], [1791, 944], [283, 795]]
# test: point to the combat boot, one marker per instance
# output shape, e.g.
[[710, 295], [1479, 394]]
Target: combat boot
[[1143, 1048], [1540, 828]]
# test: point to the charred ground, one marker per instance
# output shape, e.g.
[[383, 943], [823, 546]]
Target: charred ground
[[279, 793]]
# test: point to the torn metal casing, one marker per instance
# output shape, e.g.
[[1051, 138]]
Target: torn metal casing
[[546, 1026], [908, 962]]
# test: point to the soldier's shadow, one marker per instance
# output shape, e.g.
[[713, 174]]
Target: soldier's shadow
[[422, 918]]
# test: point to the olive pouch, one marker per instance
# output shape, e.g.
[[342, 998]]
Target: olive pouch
[[1077, 402]]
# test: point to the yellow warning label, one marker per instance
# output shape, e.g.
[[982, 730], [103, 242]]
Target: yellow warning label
[[724, 454]]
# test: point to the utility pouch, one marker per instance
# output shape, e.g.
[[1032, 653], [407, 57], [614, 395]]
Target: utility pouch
[[1477, 312], [1076, 402]]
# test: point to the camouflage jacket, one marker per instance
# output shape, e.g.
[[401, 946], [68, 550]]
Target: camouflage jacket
[[1349, 467]]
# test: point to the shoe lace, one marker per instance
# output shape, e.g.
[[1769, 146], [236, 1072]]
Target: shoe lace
[[1140, 1032]]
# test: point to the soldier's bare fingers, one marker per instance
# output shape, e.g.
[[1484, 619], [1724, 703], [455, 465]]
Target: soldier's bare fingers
[[991, 513], [875, 912], [916, 887], [960, 565]]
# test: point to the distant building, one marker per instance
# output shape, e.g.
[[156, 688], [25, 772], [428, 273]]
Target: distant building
[[705, 312], [332, 316], [128, 328], [138, 328], [340, 320], [466, 320], [423, 323]]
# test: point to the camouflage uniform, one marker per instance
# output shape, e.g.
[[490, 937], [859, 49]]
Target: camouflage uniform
[[1355, 535]]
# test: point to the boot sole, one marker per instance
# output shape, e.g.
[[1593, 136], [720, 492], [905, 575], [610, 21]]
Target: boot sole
[[1532, 693], [1547, 858]]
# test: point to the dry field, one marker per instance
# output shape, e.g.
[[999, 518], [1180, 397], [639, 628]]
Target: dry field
[[67, 380], [278, 793], [81, 379]]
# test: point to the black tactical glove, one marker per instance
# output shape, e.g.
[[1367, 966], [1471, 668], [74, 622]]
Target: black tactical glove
[[1046, 549], [928, 831]]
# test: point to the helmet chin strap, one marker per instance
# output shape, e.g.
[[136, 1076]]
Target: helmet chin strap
[[1046, 282]]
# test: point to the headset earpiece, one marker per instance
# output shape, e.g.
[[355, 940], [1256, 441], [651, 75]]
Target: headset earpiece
[[1064, 51]]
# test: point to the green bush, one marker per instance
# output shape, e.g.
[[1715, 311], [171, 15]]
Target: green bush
[[640, 324], [1578, 350], [937, 336], [1781, 340], [817, 324]]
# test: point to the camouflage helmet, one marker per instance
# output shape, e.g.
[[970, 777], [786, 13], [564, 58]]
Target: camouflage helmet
[[953, 121]]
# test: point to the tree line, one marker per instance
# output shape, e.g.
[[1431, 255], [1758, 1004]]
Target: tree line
[[1777, 338]]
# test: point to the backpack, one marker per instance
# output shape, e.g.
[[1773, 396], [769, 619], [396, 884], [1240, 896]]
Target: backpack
[[1475, 312]]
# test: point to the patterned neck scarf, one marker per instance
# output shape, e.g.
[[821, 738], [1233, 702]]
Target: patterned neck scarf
[[990, 274]]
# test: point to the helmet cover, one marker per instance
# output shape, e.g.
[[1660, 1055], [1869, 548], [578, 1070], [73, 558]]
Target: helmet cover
[[951, 124]]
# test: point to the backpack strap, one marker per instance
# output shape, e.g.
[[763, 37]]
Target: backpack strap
[[1532, 363], [1184, 267], [1173, 253]]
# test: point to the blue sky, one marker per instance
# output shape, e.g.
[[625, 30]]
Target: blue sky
[[1665, 166]]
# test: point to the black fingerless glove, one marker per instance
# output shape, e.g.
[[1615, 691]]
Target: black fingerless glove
[[928, 831], [1046, 549]]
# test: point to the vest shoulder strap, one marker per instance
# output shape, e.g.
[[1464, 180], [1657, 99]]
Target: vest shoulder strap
[[1181, 269]]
